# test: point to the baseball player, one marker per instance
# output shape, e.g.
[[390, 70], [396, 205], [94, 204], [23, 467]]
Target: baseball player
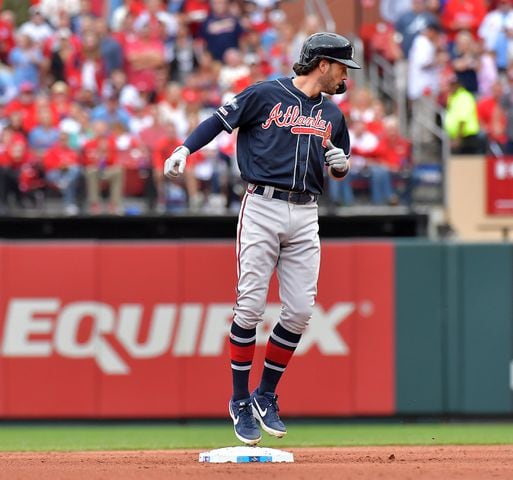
[[288, 133]]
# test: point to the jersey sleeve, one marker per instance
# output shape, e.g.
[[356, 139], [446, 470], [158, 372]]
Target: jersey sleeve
[[341, 137], [240, 110]]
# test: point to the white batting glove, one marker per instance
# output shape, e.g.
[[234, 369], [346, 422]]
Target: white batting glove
[[175, 164], [336, 158]]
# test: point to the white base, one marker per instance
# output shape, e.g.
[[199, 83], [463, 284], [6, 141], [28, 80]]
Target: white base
[[246, 455]]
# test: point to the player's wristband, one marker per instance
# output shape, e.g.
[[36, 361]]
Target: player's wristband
[[338, 174]]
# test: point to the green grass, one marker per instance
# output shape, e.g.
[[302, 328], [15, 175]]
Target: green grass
[[72, 437]]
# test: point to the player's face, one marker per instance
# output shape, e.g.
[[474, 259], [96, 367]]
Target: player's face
[[335, 74]]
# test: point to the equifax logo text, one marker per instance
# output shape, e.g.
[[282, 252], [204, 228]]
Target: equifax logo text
[[43, 327]]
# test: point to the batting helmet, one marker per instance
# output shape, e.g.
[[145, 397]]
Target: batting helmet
[[330, 46]]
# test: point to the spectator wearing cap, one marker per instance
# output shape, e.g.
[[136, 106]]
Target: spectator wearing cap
[[110, 111], [37, 28], [62, 170], [101, 165], [194, 13], [26, 60], [23, 106], [221, 30], [461, 122]]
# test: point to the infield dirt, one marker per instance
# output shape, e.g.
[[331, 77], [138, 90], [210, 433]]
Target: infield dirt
[[383, 463]]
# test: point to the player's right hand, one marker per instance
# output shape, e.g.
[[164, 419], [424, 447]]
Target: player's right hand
[[175, 164]]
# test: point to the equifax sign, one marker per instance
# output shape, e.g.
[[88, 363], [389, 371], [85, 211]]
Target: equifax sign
[[43, 327]]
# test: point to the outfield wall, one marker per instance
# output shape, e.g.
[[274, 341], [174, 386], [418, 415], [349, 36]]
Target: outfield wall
[[120, 330]]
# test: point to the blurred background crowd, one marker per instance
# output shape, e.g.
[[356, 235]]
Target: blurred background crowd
[[96, 94]]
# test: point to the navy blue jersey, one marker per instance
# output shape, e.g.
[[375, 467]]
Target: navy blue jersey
[[283, 134]]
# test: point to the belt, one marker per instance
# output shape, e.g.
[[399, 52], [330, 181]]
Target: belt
[[300, 198]]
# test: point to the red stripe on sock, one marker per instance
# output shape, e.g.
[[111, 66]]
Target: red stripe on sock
[[276, 354], [242, 354]]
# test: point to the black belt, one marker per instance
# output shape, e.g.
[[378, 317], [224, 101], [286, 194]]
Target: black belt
[[300, 198]]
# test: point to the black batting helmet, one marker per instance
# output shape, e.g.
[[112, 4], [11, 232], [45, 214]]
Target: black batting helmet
[[330, 46]]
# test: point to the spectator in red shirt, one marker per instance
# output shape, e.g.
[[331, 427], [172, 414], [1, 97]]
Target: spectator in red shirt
[[143, 56], [7, 24], [24, 105], [162, 24], [460, 15], [195, 13], [63, 171], [101, 165], [394, 154], [165, 144], [492, 119], [13, 155], [60, 102]]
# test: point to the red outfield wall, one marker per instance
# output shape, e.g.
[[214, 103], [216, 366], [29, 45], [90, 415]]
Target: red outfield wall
[[140, 330]]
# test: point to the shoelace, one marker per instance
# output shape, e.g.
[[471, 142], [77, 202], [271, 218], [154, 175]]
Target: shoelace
[[273, 402], [246, 414]]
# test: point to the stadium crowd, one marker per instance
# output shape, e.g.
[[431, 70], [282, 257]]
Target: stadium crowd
[[95, 95]]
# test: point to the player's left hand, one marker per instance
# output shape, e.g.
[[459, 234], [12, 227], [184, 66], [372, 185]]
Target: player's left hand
[[336, 158]]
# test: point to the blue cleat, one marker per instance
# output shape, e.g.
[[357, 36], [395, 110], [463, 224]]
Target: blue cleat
[[244, 423], [265, 409]]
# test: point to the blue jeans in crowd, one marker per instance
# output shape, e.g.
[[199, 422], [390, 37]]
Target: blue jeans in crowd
[[380, 186], [67, 181]]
